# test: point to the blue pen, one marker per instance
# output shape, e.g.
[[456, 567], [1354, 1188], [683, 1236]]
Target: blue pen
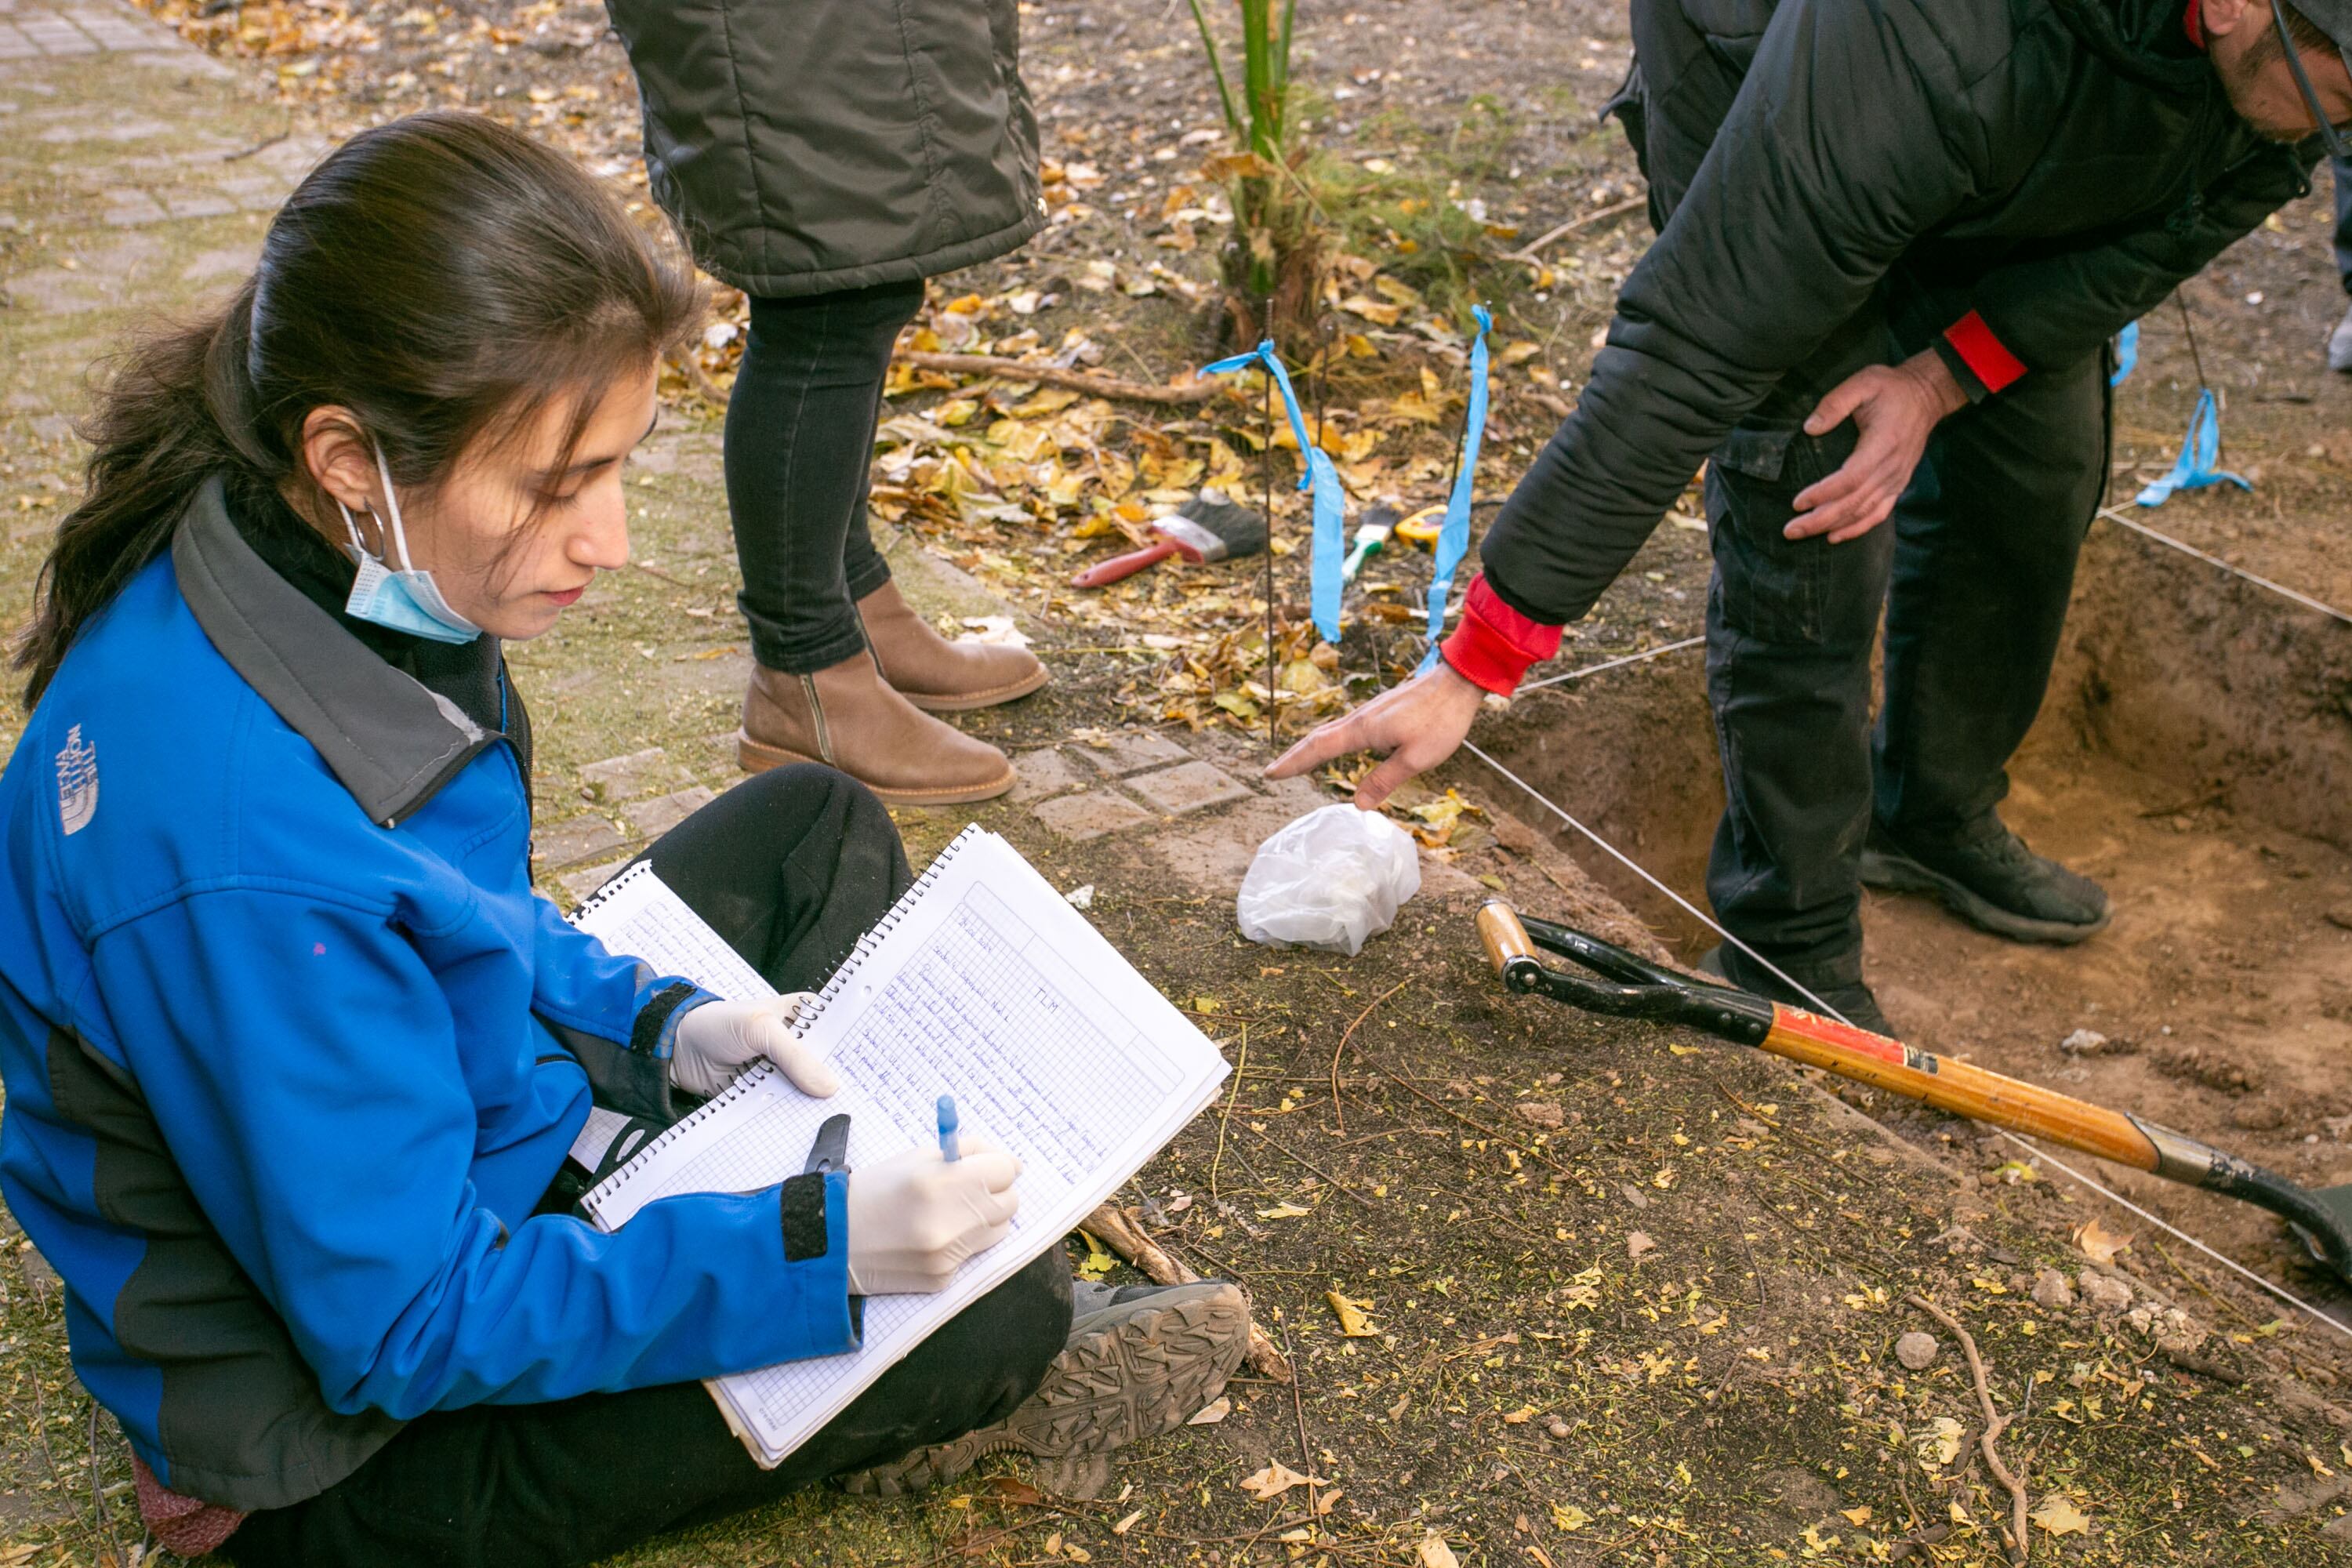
[[948, 1150]]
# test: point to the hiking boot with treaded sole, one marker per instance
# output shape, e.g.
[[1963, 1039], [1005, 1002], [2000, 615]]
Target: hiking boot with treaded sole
[[1987, 876], [1140, 1361]]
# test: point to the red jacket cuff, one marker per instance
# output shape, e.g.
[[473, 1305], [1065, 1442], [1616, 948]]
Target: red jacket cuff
[[1974, 343], [1494, 645]]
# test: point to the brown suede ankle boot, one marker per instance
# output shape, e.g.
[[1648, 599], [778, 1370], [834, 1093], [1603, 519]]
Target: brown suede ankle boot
[[845, 717], [933, 673]]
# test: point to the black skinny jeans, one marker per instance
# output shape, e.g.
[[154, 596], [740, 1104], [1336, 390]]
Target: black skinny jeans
[[799, 452], [791, 867]]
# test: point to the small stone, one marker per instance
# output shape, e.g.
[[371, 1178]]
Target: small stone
[[2105, 1293], [1081, 898], [1555, 1427], [1917, 1350], [568, 843], [2173, 1331], [1542, 1112], [2083, 1043], [2052, 1290]]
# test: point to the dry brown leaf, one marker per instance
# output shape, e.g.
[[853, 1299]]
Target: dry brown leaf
[[1433, 1552], [2059, 1516], [1275, 1479], [1354, 1324], [2099, 1244]]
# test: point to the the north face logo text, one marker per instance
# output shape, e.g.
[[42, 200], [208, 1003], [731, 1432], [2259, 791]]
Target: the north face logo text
[[77, 782]]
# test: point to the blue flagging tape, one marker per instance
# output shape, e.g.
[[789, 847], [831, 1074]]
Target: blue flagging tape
[[2200, 449], [2127, 353], [1330, 501], [1454, 534]]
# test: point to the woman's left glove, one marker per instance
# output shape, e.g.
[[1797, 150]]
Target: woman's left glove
[[720, 1039]]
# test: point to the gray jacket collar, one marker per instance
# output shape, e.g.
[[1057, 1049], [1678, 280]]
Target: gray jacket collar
[[391, 742]]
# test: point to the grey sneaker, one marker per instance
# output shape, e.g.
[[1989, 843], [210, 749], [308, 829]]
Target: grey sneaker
[[1987, 876], [1140, 1361], [2339, 345]]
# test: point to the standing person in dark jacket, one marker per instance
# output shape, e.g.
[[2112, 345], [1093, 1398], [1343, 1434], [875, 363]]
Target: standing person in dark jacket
[[2339, 342], [294, 1056], [826, 157], [1895, 241]]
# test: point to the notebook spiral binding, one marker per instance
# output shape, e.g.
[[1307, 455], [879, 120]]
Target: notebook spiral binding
[[842, 976], [613, 1184]]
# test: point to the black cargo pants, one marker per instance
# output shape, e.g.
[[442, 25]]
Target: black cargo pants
[[1972, 572]]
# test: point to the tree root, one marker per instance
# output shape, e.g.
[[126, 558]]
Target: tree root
[[1995, 1423], [1110, 386]]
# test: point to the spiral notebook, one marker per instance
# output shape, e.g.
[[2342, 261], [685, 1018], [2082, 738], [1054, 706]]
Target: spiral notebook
[[983, 983]]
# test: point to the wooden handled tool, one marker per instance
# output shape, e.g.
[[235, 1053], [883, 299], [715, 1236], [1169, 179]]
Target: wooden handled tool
[[1206, 528], [1632, 987]]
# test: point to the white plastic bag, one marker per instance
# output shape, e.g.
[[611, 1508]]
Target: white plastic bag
[[1329, 879]]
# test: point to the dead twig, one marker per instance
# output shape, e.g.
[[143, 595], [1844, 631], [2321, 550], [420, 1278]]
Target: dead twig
[[1478, 1127], [1110, 386], [1241, 1070], [1305, 1455], [1338, 1108], [1995, 1423], [1336, 1181], [1120, 1231], [1532, 251]]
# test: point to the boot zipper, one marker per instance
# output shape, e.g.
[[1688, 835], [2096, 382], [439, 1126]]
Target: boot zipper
[[816, 712]]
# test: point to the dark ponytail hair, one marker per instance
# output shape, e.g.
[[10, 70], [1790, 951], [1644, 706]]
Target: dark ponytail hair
[[442, 277]]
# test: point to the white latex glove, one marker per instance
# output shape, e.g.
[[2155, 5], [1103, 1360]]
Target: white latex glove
[[916, 1216], [720, 1039]]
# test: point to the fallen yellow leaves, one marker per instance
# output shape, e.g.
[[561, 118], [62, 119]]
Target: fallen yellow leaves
[[2059, 1516], [1275, 1479], [1354, 1322], [1568, 1516]]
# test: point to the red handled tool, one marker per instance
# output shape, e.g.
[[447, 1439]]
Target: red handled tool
[[1206, 528]]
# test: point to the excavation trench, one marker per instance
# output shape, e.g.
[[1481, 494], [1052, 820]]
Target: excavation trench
[[2195, 755]]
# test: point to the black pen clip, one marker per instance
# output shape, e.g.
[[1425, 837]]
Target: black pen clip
[[831, 1150]]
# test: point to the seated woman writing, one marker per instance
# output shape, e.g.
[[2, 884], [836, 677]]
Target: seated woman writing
[[293, 1054]]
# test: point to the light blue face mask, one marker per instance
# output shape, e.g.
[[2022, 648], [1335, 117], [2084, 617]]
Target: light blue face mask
[[405, 600]]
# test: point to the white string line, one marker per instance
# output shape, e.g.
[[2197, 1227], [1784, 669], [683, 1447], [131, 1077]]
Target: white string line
[[1692, 909], [1688, 908], [2305, 600], [1611, 663]]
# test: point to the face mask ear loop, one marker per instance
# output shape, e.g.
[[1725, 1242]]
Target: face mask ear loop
[[359, 546], [392, 509]]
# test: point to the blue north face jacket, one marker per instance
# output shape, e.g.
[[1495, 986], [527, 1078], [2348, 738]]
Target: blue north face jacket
[[292, 1051]]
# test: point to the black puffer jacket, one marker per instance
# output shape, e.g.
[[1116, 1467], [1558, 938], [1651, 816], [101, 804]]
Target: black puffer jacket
[[2056, 167], [807, 145]]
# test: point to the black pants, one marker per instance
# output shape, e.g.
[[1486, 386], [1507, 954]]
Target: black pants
[[2342, 170], [1974, 571], [799, 451], [791, 867]]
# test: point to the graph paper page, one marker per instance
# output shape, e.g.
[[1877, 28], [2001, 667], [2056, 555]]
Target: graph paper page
[[989, 987]]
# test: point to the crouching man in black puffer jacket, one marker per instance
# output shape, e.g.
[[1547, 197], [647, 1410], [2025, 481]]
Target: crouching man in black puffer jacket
[[1895, 241]]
